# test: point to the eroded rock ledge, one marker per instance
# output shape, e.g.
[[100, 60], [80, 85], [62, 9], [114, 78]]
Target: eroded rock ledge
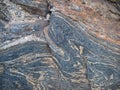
[[59, 45]]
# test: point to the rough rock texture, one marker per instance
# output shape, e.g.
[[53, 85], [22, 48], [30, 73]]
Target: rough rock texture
[[59, 44]]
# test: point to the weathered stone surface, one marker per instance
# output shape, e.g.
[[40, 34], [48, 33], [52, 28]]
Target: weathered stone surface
[[116, 3], [59, 45], [12, 82], [71, 44], [39, 7]]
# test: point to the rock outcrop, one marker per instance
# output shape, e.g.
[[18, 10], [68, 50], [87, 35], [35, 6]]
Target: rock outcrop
[[59, 45]]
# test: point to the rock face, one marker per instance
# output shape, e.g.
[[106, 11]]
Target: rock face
[[59, 45]]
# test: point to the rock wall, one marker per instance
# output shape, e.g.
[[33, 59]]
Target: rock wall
[[59, 45]]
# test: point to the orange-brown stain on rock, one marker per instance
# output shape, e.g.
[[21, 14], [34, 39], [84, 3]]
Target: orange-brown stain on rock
[[98, 24]]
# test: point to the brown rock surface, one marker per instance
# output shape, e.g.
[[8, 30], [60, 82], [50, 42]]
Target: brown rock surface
[[101, 18]]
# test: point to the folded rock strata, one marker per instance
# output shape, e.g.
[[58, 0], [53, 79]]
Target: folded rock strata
[[59, 45]]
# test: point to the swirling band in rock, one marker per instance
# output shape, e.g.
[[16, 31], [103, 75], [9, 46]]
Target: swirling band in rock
[[80, 56]]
